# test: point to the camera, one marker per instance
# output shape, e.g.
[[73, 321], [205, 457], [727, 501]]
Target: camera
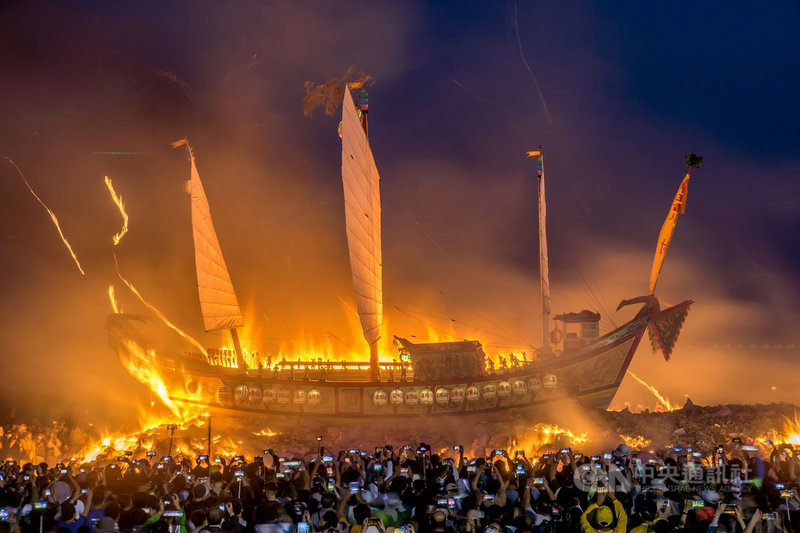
[[151, 454]]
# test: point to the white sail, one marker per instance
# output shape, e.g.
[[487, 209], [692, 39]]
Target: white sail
[[218, 301], [362, 200]]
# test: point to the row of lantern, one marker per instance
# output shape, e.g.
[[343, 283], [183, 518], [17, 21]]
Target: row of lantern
[[253, 394]]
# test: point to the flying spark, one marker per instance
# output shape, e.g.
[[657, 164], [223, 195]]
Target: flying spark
[[158, 313], [118, 200], [661, 398], [50, 212]]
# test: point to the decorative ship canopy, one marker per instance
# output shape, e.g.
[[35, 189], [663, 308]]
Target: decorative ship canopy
[[362, 200], [218, 301], [444, 360]]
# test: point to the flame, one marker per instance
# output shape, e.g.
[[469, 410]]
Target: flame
[[548, 437], [635, 442], [789, 434], [118, 201], [52, 216], [662, 400], [266, 432]]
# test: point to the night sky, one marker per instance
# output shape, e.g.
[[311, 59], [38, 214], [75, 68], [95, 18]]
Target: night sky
[[629, 87]]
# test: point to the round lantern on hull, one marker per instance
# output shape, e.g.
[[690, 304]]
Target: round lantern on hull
[[380, 398], [268, 396], [534, 385], [314, 397], [426, 397], [519, 388], [489, 392], [411, 398], [472, 394], [299, 397], [254, 394], [225, 394], [284, 396], [457, 396], [396, 397], [240, 393], [550, 381], [503, 390], [442, 396]]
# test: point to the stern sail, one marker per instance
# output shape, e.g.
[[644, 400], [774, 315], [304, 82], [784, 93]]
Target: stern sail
[[218, 301], [362, 200]]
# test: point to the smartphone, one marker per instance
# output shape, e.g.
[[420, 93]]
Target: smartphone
[[173, 513], [769, 516], [697, 454], [404, 471], [595, 458], [787, 494], [202, 457], [47, 492], [354, 486], [239, 458], [472, 468], [3, 515], [327, 458], [151, 454], [441, 502], [354, 450], [498, 452], [122, 459], [377, 468], [451, 503], [747, 448], [83, 491], [291, 464], [565, 450], [239, 473], [677, 449], [331, 485], [519, 453], [578, 455], [303, 527], [280, 475], [458, 448], [258, 459], [607, 456], [697, 504], [166, 458], [520, 470], [779, 486], [39, 506], [488, 497], [64, 471]]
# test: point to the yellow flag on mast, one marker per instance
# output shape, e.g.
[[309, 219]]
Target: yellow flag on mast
[[664, 238]]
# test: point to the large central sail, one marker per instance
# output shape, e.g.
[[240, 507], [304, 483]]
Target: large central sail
[[218, 301], [362, 200]]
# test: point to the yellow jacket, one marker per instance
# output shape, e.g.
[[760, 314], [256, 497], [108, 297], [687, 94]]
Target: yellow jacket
[[619, 512]]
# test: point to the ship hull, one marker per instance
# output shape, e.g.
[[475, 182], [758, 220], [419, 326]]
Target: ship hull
[[590, 376]]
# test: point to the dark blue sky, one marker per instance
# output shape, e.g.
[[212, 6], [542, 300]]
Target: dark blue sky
[[630, 88]]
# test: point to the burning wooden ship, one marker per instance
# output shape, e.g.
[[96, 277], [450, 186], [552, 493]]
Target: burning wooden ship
[[441, 378]]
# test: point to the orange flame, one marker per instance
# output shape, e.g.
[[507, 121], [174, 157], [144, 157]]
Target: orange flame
[[548, 436], [112, 297], [663, 400], [118, 201], [52, 216], [789, 434]]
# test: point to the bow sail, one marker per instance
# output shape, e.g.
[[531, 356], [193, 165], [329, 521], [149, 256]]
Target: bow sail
[[218, 301], [362, 202]]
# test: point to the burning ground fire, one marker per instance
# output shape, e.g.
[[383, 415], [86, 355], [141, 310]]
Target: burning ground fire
[[662, 400]]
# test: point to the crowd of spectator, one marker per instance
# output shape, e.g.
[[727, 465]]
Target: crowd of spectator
[[404, 489]]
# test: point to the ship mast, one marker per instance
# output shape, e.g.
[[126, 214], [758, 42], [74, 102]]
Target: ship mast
[[544, 267]]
